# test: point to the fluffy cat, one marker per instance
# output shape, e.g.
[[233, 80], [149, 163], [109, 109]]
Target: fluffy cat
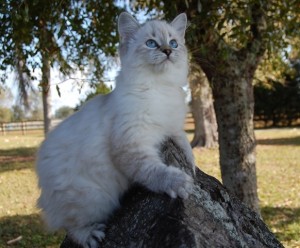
[[87, 162]]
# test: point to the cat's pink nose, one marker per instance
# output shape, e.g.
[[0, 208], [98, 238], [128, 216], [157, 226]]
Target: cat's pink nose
[[167, 51]]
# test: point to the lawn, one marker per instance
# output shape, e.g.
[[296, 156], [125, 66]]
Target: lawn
[[278, 171]]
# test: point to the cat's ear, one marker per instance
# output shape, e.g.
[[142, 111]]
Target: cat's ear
[[179, 23], [127, 26]]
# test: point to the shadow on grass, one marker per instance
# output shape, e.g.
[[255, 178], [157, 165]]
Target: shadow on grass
[[280, 141], [19, 152], [32, 230], [17, 159], [285, 222]]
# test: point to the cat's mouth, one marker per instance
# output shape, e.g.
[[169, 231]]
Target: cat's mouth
[[167, 59], [163, 65]]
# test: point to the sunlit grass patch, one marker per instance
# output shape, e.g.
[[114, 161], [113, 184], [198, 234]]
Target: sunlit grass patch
[[285, 223]]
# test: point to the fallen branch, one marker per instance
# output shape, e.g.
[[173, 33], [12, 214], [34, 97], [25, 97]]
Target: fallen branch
[[13, 241]]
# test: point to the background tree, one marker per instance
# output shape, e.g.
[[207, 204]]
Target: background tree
[[276, 88], [205, 134], [35, 110], [277, 101], [6, 99], [5, 114], [63, 112], [228, 39], [100, 88], [68, 35], [18, 113]]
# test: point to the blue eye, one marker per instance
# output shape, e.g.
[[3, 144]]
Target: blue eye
[[173, 43], [151, 43]]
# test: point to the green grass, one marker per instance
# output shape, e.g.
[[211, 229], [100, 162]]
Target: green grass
[[278, 170], [18, 193]]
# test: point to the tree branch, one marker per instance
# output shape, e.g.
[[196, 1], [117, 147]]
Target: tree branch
[[255, 46], [210, 217]]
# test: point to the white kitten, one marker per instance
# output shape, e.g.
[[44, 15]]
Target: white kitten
[[91, 158]]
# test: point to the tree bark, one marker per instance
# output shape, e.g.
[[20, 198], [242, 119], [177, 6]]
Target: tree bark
[[206, 134], [22, 78], [45, 82], [210, 217], [46, 94], [234, 105]]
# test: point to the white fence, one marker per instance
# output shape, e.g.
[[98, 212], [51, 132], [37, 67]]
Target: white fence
[[24, 126]]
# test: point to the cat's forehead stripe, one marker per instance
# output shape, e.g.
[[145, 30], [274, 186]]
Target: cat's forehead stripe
[[159, 29]]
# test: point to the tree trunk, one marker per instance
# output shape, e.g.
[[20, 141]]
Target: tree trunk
[[210, 217], [206, 134], [232, 88], [46, 94], [45, 83], [234, 107], [22, 78]]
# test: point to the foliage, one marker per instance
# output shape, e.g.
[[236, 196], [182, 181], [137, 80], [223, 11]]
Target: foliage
[[63, 112], [72, 34], [18, 113], [99, 89], [5, 102], [279, 101], [5, 114], [33, 111], [233, 22], [36, 114], [274, 67]]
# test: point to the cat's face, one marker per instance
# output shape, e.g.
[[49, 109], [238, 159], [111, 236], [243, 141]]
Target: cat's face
[[155, 45]]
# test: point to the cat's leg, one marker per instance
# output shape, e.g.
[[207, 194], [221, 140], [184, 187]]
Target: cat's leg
[[174, 182], [159, 177], [144, 166]]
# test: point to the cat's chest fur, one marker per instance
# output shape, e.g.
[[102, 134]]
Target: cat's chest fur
[[154, 104], [166, 107]]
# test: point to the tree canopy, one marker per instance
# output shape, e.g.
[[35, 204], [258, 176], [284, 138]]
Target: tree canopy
[[72, 34], [63, 112]]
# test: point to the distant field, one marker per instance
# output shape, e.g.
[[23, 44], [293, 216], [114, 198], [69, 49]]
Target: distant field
[[278, 169]]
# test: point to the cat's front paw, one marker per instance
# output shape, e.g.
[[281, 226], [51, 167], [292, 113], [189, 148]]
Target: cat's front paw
[[96, 236], [178, 183], [89, 236]]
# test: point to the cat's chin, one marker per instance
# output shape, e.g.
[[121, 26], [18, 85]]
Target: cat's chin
[[164, 66]]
